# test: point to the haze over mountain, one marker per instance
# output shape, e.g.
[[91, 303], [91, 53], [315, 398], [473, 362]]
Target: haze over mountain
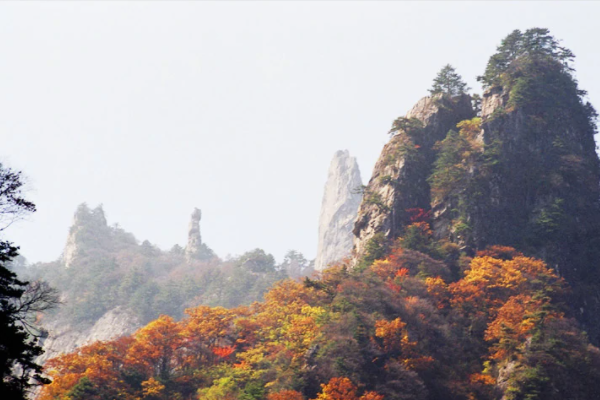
[[238, 118], [474, 272], [110, 284], [179, 242]]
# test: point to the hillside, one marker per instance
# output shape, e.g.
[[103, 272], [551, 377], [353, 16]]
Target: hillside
[[400, 329], [516, 168], [111, 285]]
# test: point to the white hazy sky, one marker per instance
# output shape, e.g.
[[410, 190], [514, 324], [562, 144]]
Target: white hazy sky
[[154, 108]]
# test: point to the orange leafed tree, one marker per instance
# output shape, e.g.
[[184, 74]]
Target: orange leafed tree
[[291, 294], [392, 334], [438, 290], [514, 323], [157, 348], [206, 329], [338, 389], [285, 395], [371, 396], [403, 262], [343, 389], [491, 281], [99, 362]]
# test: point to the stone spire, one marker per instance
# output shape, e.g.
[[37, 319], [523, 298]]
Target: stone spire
[[341, 200], [194, 244]]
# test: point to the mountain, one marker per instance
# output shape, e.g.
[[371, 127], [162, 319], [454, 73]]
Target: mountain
[[399, 181], [110, 284], [341, 199], [474, 273], [524, 173]]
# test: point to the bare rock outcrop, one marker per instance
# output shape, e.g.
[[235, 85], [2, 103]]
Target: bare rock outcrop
[[194, 238], [399, 180], [195, 249], [339, 207], [89, 225], [64, 337]]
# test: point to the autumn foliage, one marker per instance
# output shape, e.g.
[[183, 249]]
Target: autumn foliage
[[285, 395], [404, 328]]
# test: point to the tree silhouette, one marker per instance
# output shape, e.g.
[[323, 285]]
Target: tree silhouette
[[19, 302]]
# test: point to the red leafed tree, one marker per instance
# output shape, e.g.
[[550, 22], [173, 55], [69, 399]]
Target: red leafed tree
[[418, 215], [224, 351]]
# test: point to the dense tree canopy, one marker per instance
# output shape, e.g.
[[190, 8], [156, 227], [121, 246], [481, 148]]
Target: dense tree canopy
[[536, 43], [406, 327], [19, 303]]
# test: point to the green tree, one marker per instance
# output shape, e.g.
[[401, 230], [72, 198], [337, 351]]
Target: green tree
[[295, 264], [448, 81], [533, 43], [19, 302], [257, 261]]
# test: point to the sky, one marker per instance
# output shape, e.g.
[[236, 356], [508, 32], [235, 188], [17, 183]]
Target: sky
[[154, 108]]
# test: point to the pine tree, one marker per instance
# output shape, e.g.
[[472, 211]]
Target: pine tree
[[535, 43], [18, 349], [448, 81], [19, 302]]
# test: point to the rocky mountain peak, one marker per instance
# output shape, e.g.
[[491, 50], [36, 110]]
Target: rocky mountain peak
[[89, 227], [341, 200], [525, 175], [399, 180]]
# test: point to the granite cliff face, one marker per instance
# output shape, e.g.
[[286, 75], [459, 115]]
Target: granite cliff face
[[339, 207], [542, 195], [399, 180]]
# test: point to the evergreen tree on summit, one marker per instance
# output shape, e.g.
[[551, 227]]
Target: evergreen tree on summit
[[519, 48], [448, 81]]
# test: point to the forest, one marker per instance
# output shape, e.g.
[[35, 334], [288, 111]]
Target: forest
[[400, 329]]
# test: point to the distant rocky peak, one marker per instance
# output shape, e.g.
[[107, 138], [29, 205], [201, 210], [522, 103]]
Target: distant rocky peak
[[89, 216], [341, 199], [89, 229], [195, 249]]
